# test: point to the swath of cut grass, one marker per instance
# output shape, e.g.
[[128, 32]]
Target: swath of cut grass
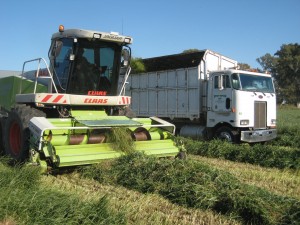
[[264, 155], [24, 201], [281, 182], [193, 184], [138, 208]]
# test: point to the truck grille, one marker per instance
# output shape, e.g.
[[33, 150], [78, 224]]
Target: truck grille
[[260, 114]]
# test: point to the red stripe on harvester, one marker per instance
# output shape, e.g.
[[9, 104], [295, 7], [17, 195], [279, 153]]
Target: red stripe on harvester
[[57, 98], [46, 98]]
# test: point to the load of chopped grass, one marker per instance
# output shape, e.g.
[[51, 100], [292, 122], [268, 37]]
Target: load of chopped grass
[[24, 201], [194, 184], [263, 155]]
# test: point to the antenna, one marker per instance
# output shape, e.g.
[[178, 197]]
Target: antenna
[[122, 26]]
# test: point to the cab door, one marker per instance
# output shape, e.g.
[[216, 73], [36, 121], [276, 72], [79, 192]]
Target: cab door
[[221, 93]]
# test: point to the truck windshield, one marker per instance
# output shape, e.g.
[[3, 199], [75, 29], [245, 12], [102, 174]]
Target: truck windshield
[[247, 82]]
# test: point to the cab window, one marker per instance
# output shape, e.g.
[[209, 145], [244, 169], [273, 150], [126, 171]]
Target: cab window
[[225, 81]]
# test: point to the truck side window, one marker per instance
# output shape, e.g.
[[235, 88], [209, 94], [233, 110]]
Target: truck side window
[[216, 82], [226, 81], [235, 81]]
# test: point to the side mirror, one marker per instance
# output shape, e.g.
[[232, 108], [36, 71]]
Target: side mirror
[[71, 57], [126, 57], [57, 48]]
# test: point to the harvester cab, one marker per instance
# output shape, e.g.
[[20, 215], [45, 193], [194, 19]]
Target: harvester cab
[[88, 63], [73, 112]]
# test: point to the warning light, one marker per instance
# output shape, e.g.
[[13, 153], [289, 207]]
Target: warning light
[[61, 28]]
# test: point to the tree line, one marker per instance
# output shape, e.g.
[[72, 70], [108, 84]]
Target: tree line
[[284, 66]]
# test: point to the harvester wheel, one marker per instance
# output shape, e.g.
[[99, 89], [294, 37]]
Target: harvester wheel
[[16, 131]]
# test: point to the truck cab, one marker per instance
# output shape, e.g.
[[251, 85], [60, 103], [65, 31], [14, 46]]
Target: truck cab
[[242, 102]]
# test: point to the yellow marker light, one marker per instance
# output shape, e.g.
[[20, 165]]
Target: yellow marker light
[[61, 28]]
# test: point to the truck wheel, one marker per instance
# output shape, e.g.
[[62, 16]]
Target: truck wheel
[[16, 132], [227, 134]]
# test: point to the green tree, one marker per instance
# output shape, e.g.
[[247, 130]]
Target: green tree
[[244, 66], [288, 71], [285, 67], [268, 62], [137, 65]]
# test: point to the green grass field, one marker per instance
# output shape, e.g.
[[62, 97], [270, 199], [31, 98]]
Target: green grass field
[[219, 183]]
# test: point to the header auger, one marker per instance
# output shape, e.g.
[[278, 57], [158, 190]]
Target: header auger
[[66, 114]]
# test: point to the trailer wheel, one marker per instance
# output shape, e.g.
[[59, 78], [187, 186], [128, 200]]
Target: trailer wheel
[[16, 132], [227, 134]]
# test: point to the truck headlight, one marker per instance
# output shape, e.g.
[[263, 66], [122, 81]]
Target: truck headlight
[[244, 122]]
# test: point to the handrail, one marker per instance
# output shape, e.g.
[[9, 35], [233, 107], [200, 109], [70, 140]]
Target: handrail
[[37, 75], [124, 82]]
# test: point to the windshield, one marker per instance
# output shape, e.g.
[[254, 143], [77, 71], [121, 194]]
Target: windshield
[[247, 82], [86, 66], [96, 68]]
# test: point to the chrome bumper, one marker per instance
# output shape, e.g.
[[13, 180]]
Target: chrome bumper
[[258, 135]]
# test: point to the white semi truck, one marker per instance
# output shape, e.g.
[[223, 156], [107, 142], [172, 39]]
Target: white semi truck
[[205, 95]]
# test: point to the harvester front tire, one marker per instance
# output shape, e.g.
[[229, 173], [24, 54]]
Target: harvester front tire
[[16, 132]]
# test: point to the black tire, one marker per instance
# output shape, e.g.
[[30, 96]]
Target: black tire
[[227, 134], [16, 131]]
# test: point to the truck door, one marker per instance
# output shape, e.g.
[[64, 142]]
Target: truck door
[[221, 93]]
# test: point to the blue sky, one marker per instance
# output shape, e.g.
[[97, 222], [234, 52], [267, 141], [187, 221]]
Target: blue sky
[[240, 29]]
